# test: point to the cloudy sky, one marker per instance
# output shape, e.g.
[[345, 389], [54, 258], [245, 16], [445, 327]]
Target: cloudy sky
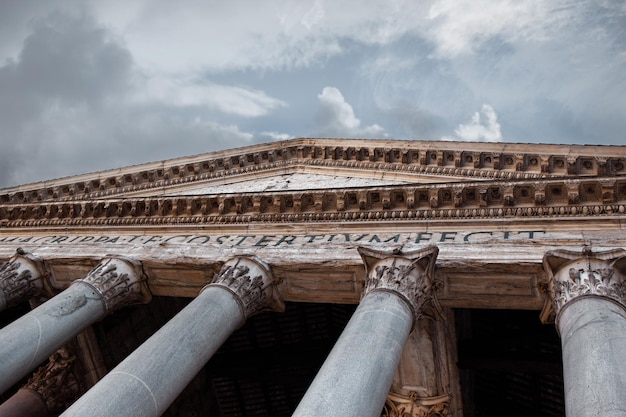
[[91, 85]]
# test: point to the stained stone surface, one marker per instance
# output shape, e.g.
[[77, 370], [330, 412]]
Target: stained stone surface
[[293, 181]]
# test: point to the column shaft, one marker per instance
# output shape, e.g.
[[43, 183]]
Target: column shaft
[[593, 336], [28, 341], [25, 403], [587, 294], [357, 374], [150, 379]]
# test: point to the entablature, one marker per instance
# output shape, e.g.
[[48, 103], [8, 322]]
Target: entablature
[[489, 267], [523, 199]]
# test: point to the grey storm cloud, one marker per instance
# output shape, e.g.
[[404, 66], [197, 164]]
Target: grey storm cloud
[[71, 59], [66, 63], [68, 105]]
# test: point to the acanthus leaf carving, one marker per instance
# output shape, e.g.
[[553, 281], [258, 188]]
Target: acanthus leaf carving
[[413, 405], [409, 275], [20, 278], [574, 275], [120, 282], [252, 284], [55, 382]]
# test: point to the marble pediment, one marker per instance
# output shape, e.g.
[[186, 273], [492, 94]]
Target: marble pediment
[[301, 165], [299, 179]]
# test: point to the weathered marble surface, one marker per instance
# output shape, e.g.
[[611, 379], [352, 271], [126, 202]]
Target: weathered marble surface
[[593, 336]]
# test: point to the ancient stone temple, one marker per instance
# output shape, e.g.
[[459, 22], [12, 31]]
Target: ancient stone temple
[[319, 277]]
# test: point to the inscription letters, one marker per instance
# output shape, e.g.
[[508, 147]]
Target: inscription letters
[[251, 241]]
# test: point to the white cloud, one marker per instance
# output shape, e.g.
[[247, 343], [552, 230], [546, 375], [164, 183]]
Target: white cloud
[[276, 136], [277, 35], [175, 38], [483, 127], [234, 100], [460, 26], [314, 15], [336, 117]]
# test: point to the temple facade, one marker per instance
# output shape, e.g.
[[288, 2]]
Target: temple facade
[[321, 277]]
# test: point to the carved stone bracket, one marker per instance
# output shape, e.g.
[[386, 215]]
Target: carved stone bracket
[[252, 284], [20, 278], [409, 275], [120, 282], [55, 382], [398, 405], [573, 275]]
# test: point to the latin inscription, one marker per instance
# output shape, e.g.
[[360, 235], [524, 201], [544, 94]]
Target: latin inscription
[[277, 240]]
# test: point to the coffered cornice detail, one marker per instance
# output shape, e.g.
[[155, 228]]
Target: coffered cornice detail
[[587, 197], [482, 162]]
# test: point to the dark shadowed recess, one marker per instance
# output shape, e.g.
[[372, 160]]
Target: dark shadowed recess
[[510, 364], [263, 369]]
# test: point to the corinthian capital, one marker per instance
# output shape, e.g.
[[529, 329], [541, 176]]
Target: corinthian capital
[[573, 275], [409, 275], [413, 405], [55, 382], [20, 278], [252, 284], [120, 282]]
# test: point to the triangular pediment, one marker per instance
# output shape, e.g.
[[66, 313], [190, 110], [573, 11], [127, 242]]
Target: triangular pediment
[[297, 178], [316, 164]]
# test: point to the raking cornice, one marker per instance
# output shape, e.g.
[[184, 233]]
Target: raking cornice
[[475, 161]]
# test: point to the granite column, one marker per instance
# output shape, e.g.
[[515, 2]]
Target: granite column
[[150, 379], [51, 389], [28, 341], [357, 374]]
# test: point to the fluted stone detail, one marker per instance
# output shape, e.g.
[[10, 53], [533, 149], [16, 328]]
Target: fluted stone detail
[[252, 284], [119, 281], [398, 405], [20, 278], [409, 275], [573, 275]]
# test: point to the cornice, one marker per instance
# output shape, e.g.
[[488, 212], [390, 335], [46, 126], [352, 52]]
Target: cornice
[[522, 199], [477, 161]]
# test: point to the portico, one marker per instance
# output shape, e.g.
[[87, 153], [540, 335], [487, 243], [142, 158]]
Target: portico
[[495, 229]]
